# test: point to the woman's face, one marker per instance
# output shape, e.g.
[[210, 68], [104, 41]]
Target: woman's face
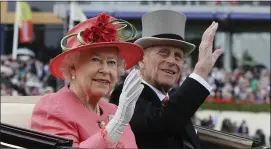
[[98, 71]]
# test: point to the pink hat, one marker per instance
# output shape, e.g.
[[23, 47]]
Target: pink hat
[[100, 31]]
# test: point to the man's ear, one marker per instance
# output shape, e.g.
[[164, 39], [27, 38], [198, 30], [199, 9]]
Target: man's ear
[[141, 64]]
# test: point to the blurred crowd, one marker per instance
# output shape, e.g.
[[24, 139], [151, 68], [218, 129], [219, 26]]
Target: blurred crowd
[[25, 76], [240, 84], [230, 126], [29, 76]]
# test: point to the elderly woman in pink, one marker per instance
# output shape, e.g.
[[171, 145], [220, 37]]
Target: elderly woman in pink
[[95, 56]]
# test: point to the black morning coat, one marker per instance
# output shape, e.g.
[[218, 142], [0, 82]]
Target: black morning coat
[[168, 126]]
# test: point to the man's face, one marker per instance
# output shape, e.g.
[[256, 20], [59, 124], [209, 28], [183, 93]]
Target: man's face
[[161, 66]]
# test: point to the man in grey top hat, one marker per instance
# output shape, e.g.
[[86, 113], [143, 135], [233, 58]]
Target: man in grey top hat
[[163, 120]]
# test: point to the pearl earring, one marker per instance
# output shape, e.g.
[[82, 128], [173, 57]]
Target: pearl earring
[[73, 77]]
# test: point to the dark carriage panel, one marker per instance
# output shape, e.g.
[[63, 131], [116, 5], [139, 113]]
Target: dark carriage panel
[[26, 138], [213, 139]]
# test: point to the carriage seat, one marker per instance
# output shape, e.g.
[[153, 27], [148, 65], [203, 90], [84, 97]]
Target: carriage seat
[[17, 110]]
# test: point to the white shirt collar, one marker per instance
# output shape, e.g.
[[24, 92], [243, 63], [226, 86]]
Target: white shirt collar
[[158, 93]]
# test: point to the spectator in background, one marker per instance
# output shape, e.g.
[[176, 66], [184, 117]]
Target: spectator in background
[[225, 125], [227, 91], [209, 123], [243, 84], [243, 129], [254, 84], [260, 136], [264, 86], [228, 126]]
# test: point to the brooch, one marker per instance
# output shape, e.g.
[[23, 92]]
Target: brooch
[[101, 124]]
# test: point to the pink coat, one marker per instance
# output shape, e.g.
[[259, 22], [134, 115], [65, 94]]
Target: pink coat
[[62, 114]]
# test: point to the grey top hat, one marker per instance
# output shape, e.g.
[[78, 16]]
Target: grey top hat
[[164, 27]]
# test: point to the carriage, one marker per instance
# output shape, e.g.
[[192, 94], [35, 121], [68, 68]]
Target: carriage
[[16, 114]]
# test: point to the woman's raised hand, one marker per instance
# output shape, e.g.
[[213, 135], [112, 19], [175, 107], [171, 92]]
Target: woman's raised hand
[[131, 91]]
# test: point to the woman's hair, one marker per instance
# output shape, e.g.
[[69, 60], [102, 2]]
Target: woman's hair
[[73, 60], [70, 60]]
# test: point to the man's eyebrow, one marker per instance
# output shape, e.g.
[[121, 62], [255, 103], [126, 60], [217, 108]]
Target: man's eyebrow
[[178, 54], [165, 49]]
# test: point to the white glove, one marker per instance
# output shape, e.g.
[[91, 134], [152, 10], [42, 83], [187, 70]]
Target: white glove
[[131, 91]]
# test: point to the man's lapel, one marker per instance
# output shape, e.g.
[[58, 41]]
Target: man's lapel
[[149, 95]]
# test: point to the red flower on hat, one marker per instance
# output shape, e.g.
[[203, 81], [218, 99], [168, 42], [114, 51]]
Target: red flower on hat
[[100, 31], [102, 19]]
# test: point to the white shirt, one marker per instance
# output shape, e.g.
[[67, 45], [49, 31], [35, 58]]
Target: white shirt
[[193, 75], [158, 93]]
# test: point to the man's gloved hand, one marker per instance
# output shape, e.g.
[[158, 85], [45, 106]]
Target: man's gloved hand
[[131, 91]]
